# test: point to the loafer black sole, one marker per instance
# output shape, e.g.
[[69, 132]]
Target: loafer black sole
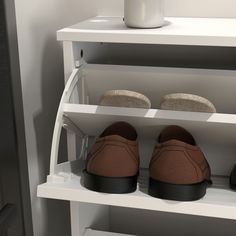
[[110, 184], [177, 192]]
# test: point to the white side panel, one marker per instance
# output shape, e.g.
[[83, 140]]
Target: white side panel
[[84, 216]]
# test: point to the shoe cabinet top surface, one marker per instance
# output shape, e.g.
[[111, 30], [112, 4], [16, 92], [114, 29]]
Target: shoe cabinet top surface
[[177, 31]]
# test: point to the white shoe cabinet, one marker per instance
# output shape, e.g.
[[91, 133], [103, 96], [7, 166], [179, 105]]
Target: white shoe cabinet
[[79, 113]]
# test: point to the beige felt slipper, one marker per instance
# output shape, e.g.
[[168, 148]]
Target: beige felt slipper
[[186, 102], [125, 98]]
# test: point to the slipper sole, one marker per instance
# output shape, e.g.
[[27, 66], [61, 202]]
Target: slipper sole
[[187, 102], [125, 98]]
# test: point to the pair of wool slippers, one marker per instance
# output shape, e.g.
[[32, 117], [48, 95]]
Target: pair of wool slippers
[[175, 101]]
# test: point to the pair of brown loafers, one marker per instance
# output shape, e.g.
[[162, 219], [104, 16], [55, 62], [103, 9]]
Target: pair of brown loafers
[[178, 169]]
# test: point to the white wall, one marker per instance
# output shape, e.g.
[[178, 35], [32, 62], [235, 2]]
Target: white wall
[[201, 8], [42, 84], [42, 80]]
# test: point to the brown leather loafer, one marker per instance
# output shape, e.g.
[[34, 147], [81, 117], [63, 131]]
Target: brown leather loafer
[[178, 168], [113, 162]]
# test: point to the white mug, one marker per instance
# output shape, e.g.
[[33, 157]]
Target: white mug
[[144, 13]]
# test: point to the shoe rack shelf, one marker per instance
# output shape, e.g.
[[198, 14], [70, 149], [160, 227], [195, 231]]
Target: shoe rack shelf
[[148, 122], [219, 202], [177, 31], [81, 115]]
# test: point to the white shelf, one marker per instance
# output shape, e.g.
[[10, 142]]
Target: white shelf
[[177, 31], [92, 120], [219, 202]]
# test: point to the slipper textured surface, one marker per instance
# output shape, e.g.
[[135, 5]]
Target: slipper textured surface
[[186, 102], [125, 98]]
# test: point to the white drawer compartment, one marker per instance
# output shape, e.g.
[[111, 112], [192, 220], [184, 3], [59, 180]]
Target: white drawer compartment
[[91, 232]]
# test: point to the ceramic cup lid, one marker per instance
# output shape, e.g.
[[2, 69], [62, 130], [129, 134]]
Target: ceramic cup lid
[[186, 102], [125, 98]]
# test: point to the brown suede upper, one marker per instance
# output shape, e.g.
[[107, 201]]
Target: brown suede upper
[[178, 162], [114, 155]]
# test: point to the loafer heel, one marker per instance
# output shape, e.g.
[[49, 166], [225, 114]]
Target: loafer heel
[[110, 184]]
